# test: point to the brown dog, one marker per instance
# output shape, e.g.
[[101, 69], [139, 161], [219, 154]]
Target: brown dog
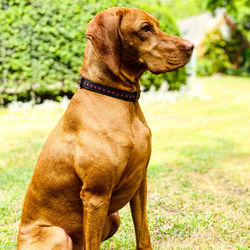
[[95, 160]]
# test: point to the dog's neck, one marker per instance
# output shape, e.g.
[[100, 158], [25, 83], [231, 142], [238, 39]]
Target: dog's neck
[[96, 71]]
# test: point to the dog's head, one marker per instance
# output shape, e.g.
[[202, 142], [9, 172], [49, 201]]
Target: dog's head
[[129, 41]]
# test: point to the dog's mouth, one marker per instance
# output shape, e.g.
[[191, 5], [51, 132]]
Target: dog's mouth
[[170, 66], [173, 65]]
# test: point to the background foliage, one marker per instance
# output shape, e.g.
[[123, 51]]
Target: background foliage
[[231, 57], [220, 54], [42, 44], [238, 9]]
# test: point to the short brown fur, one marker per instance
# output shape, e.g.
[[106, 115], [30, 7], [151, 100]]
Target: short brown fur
[[95, 160]]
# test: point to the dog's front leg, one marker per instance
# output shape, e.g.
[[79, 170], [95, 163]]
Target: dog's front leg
[[138, 209], [95, 209]]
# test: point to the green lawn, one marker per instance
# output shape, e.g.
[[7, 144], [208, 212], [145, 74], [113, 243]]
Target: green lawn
[[199, 173]]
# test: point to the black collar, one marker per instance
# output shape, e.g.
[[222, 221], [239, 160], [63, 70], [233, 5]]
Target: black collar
[[105, 90]]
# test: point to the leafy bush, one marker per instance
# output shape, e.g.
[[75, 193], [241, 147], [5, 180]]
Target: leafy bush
[[42, 44], [224, 56]]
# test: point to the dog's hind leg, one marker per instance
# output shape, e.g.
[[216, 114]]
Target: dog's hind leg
[[43, 238]]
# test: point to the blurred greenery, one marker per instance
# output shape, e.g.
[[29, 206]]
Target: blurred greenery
[[229, 57], [220, 55], [238, 9], [42, 44]]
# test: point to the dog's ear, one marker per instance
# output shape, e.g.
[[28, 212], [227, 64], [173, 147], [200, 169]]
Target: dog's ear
[[103, 32]]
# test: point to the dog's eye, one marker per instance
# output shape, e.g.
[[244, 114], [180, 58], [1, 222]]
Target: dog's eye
[[146, 28]]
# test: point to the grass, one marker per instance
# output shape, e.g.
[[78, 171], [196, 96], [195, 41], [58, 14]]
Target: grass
[[198, 177]]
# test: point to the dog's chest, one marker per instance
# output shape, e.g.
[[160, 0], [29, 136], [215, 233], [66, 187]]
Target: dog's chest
[[138, 158], [114, 150], [141, 141], [140, 152]]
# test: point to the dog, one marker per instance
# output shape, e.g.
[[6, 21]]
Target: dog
[[95, 160]]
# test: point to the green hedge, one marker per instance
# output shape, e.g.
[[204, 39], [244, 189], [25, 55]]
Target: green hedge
[[42, 44]]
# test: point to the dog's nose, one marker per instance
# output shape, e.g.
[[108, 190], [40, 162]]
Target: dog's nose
[[188, 45]]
